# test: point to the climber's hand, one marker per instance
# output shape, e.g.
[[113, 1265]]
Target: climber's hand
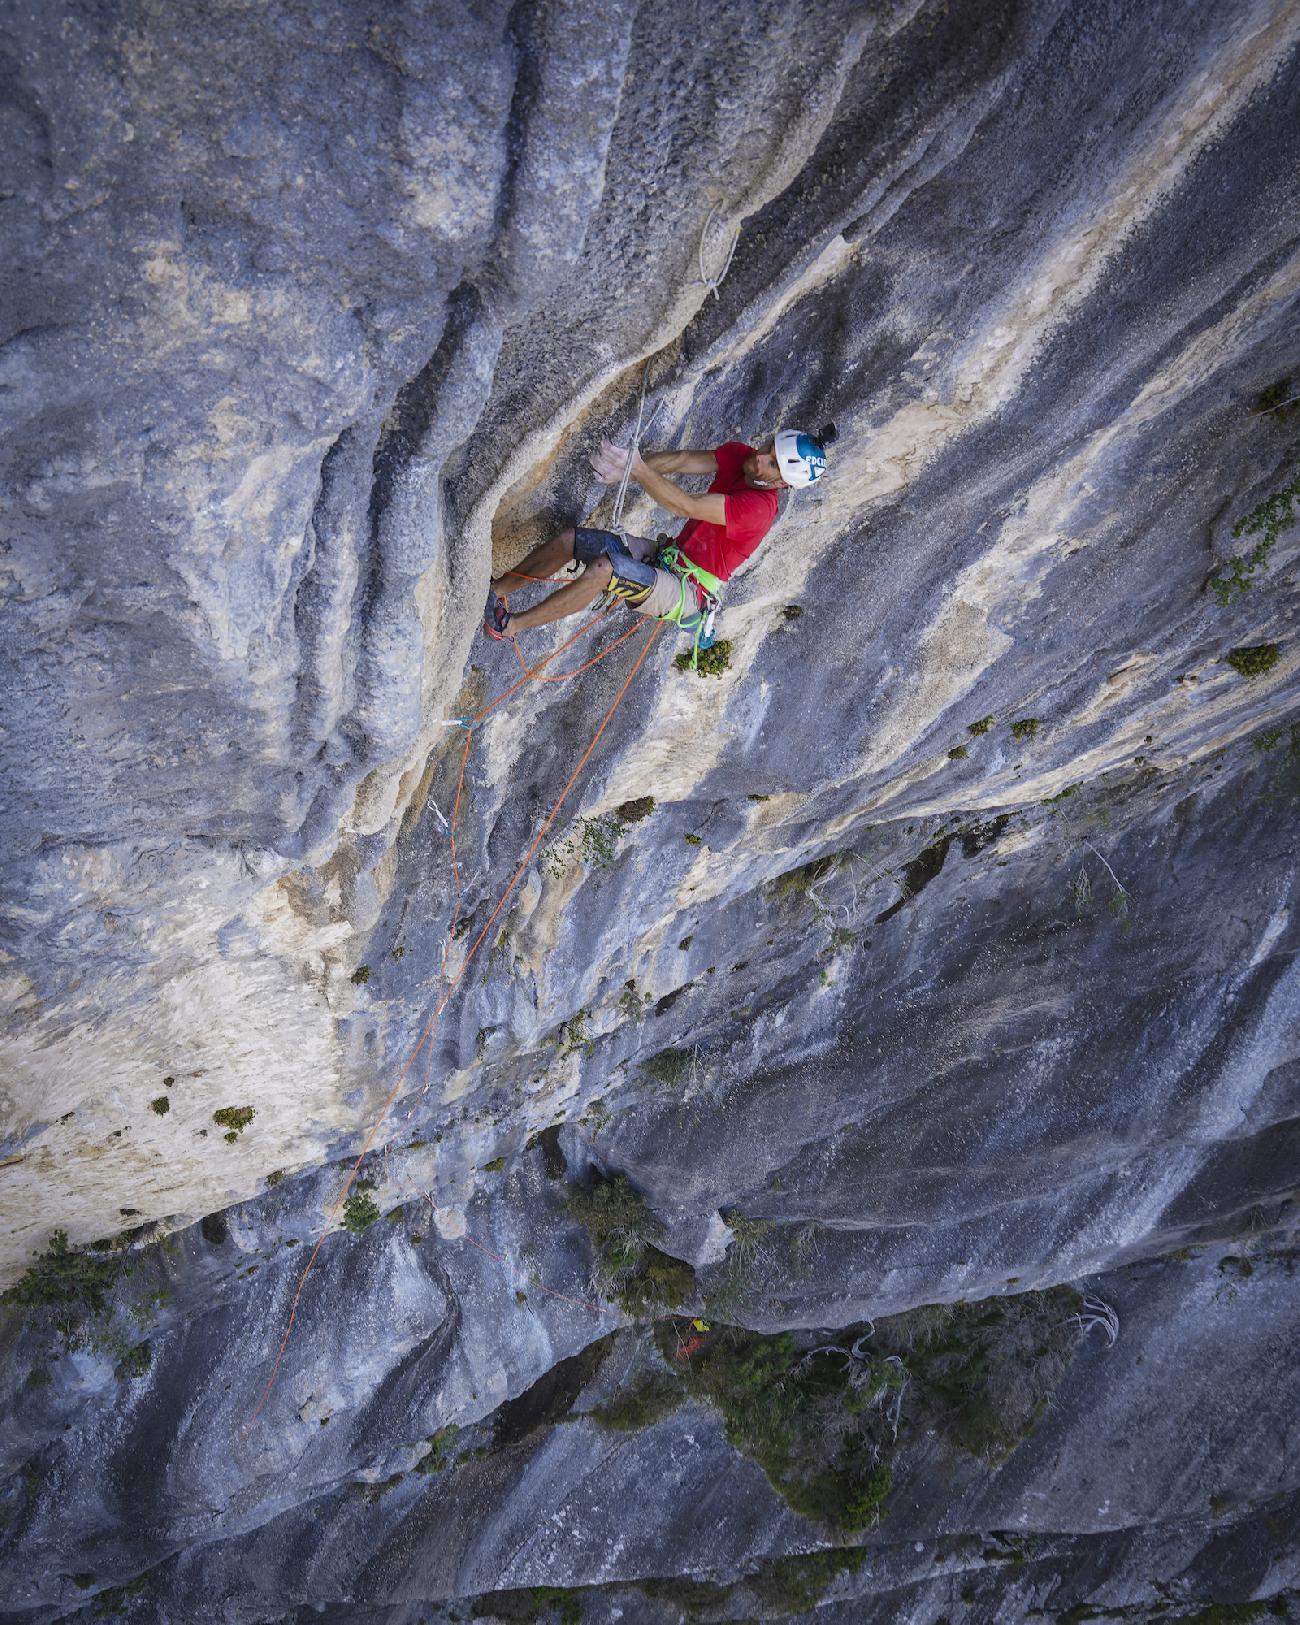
[[609, 462]]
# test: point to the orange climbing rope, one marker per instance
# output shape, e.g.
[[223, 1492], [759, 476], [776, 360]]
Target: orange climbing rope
[[469, 724]]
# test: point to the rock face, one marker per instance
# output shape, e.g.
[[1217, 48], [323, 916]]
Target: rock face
[[939, 951]]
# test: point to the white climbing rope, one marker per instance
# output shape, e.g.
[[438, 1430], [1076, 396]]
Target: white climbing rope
[[713, 283], [642, 424]]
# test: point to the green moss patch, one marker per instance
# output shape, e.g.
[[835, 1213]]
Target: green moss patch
[[161, 1105], [1026, 728], [980, 727], [712, 662], [234, 1119], [1256, 660]]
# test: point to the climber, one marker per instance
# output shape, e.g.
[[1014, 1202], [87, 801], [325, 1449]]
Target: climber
[[677, 580]]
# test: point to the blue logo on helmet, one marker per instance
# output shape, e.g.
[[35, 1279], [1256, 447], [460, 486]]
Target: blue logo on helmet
[[812, 454]]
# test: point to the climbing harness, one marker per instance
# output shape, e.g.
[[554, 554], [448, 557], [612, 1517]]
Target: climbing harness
[[697, 603]]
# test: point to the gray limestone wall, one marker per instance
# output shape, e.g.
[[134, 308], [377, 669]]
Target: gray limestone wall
[[955, 961]]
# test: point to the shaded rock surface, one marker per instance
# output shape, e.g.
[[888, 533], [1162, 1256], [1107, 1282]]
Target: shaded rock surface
[[955, 960]]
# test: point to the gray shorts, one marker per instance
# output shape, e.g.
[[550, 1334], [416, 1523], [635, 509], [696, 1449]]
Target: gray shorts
[[642, 585]]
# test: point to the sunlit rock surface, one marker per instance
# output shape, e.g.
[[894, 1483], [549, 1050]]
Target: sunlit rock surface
[[310, 316]]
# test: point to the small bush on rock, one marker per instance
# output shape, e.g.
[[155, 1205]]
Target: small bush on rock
[[73, 1285], [623, 1233], [1267, 520], [670, 1066], [234, 1119], [657, 1395], [712, 662], [1257, 660], [632, 812], [798, 882], [134, 1363], [815, 1423], [360, 1211], [442, 1446], [796, 1584]]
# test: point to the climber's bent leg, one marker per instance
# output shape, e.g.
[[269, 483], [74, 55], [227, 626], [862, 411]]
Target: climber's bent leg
[[636, 581], [570, 600]]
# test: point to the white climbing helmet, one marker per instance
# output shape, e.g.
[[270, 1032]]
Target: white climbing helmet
[[801, 459]]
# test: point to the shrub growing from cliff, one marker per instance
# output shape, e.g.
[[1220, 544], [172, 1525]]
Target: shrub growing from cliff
[[74, 1294], [984, 1373], [796, 1584], [623, 1233], [1256, 660], [632, 812], [1267, 520], [72, 1286], [537, 1605], [798, 882], [135, 1363], [646, 1402], [815, 1424], [442, 1445], [360, 1210], [711, 663], [822, 1421], [593, 841], [670, 1066]]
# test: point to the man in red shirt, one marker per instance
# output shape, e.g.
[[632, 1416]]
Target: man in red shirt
[[723, 527]]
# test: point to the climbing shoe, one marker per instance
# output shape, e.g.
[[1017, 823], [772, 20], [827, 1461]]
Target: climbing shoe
[[496, 623]]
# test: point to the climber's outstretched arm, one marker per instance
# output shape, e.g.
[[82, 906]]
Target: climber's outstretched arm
[[682, 462]]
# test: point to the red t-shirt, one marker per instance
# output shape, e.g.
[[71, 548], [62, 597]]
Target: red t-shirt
[[721, 549]]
